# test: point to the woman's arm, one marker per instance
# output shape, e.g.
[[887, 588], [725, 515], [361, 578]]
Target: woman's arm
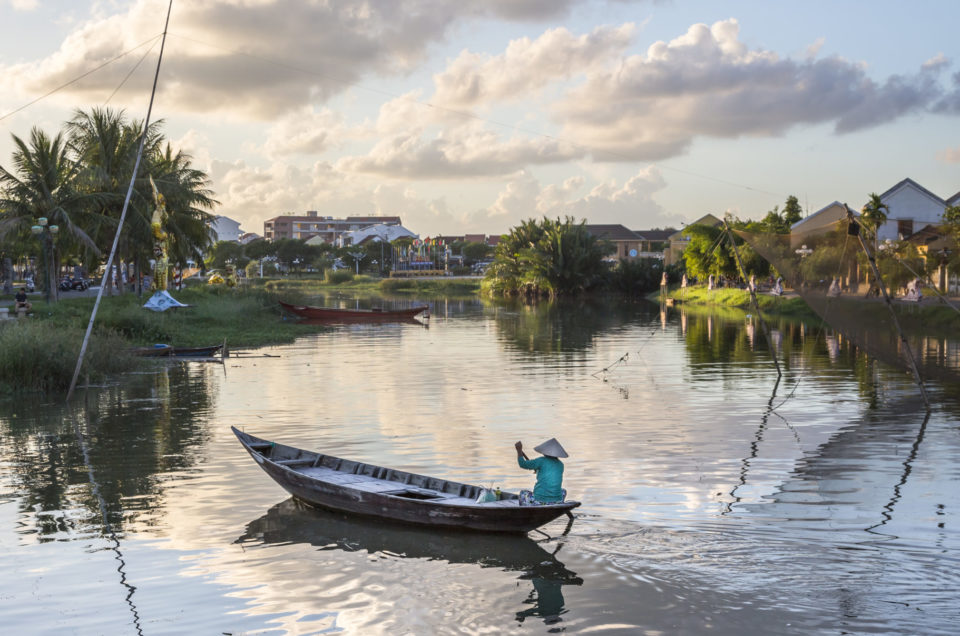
[[520, 453]]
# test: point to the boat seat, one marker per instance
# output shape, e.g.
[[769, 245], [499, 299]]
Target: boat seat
[[294, 462]]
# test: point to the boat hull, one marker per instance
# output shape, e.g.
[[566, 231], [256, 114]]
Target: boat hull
[[353, 315], [454, 508]]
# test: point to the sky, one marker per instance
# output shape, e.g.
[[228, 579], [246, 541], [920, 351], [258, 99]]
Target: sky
[[469, 116]]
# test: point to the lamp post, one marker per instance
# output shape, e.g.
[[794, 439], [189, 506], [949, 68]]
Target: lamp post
[[46, 233], [803, 251], [357, 257]]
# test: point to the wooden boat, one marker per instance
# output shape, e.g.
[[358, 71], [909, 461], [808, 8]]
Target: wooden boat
[[330, 313], [375, 491], [197, 352], [155, 351]]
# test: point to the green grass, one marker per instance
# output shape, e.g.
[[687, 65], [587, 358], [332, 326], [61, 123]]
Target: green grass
[[727, 297], [364, 283], [242, 317]]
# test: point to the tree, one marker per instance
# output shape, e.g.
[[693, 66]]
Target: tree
[[44, 185], [474, 251], [874, 214], [792, 212], [548, 258]]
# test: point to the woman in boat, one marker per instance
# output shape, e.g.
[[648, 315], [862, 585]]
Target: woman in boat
[[549, 471]]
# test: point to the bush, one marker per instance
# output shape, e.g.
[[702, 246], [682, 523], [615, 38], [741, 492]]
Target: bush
[[338, 277], [395, 284]]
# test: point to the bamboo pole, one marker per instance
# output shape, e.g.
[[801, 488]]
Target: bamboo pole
[[123, 213], [753, 297]]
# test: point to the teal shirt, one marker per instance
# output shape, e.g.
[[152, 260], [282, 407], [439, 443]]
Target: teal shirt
[[549, 477]]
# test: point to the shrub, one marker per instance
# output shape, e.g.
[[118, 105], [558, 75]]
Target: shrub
[[338, 277]]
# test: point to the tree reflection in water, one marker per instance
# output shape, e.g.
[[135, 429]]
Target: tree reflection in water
[[292, 522]]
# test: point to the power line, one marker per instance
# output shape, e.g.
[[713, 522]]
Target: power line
[[79, 77]]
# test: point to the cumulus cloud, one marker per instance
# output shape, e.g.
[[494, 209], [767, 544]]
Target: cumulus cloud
[[305, 132], [260, 58], [527, 65], [708, 83], [467, 151], [630, 203]]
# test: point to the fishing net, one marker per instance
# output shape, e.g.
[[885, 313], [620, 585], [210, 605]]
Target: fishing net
[[829, 269]]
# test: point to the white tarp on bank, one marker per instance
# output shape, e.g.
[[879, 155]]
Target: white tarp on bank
[[162, 301]]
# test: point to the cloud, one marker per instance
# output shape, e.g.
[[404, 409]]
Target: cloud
[[467, 151], [630, 203], [305, 132], [24, 5], [260, 58], [526, 65], [708, 83], [950, 155]]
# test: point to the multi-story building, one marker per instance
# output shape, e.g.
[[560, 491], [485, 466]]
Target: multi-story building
[[312, 224]]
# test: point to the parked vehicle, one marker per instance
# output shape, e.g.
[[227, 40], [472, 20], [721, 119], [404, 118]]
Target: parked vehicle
[[69, 283]]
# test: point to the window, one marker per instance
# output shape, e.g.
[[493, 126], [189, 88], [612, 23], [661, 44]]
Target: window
[[904, 228]]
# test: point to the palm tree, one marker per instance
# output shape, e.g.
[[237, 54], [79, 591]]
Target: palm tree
[[874, 215], [107, 143], [43, 185]]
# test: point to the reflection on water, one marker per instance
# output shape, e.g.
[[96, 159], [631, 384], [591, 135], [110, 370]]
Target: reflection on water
[[291, 522], [715, 497]]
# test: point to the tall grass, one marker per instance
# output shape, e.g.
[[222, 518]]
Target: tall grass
[[34, 357]]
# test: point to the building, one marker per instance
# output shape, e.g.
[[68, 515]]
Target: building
[[378, 232], [248, 237], [654, 242], [823, 220], [312, 224], [910, 207], [224, 228], [626, 242], [678, 242]]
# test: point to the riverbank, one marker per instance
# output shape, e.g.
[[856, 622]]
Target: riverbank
[[787, 305]]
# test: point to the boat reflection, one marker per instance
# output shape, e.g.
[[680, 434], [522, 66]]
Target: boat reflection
[[292, 522]]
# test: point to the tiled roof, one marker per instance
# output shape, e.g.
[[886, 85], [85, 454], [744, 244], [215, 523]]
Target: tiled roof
[[613, 232], [909, 181], [654, 235]]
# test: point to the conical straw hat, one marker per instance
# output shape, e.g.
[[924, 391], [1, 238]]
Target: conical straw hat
[[551, 448]]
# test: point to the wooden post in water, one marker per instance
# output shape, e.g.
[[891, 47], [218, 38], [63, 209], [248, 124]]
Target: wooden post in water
[[753, 297], [854, 230]]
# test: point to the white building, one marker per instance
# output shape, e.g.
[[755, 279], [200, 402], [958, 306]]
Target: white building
[[910, 207], [225, 229], [381, 231], [823, 220]]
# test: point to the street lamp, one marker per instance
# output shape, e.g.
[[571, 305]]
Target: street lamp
[[47, 232], [803, 251], [357, 257]]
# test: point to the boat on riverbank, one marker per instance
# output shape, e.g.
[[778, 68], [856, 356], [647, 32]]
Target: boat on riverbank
[[374, 491], [197, 352], [333, 314]]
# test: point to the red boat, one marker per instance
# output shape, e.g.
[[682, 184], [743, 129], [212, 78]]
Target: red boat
[[329, 313]]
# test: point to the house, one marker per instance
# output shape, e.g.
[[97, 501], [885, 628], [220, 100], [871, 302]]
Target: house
[[248, 237], [910, 206], [678, 242], [653, 243], [823, 220], [312, 224], [626, 242], [223, 228]]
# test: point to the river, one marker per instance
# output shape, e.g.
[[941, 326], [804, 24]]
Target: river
[[715, 498]]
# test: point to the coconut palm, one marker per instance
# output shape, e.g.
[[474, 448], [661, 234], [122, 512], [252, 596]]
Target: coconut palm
[[43, 184], [874, 214]]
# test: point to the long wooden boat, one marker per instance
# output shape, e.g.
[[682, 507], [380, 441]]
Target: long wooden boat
[[155, 351], [197, 352], [330, 313], [366, 489]]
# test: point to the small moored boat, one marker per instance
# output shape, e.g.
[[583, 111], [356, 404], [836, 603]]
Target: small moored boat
[[155, 351], [375, 491], [330, 313], [197, 352]]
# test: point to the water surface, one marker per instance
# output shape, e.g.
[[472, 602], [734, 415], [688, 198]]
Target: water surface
[[716, 499]]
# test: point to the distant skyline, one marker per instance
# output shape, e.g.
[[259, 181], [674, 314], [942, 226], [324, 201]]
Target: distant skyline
[[468, 116]]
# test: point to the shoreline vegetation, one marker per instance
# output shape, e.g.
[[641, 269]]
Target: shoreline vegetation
[[39, 353], [932, 315]]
